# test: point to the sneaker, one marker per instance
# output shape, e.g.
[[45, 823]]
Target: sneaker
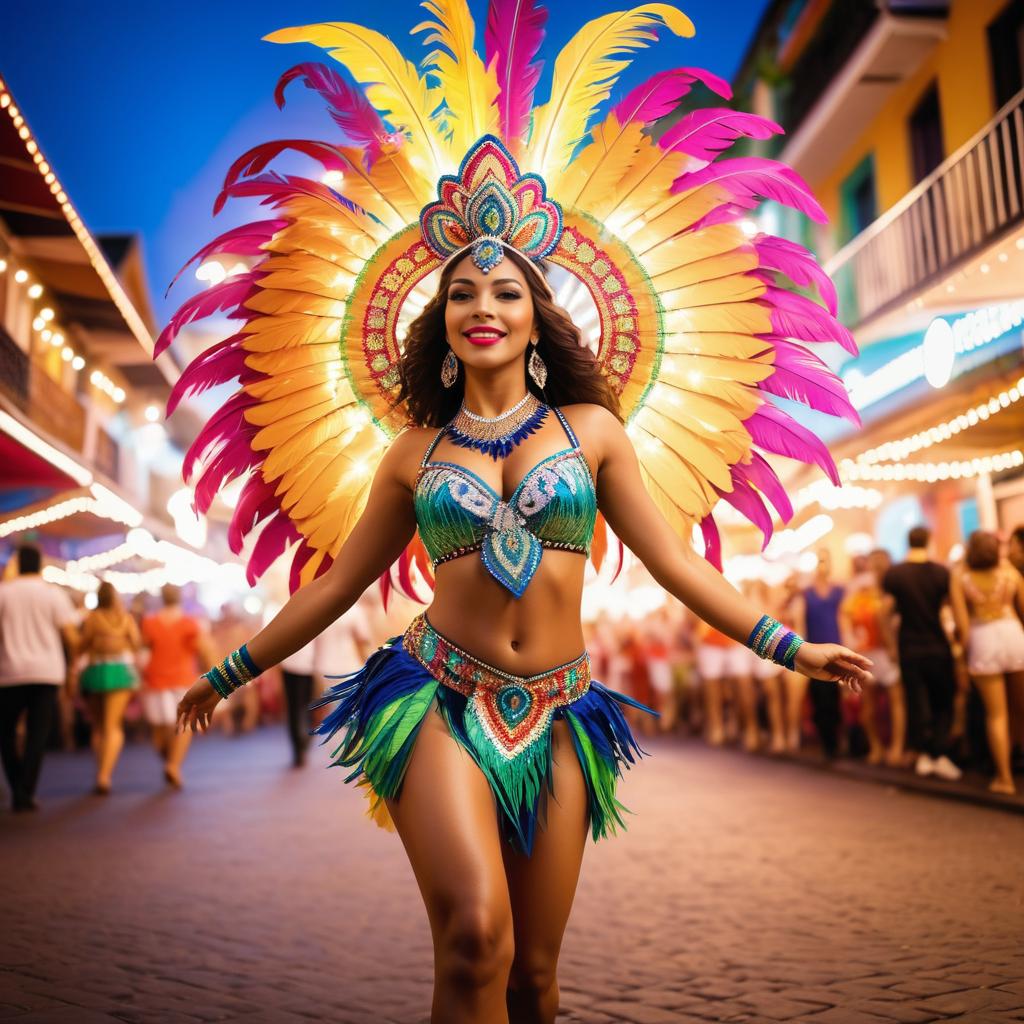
[[924, 766], [945, 769]]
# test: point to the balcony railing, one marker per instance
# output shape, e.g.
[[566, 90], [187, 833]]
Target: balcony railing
[[967, 203], [13, 369]]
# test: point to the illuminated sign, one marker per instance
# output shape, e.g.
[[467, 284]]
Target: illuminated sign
[[935, 357]]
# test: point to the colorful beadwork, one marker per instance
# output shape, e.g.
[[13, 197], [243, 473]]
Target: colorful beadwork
[[234, 671], [489, 203], [497, 436], [770, 640], [514, 712], [554, 506]]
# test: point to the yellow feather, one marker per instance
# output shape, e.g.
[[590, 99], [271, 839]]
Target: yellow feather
[[734, 288], [391, 84], [289, 360], [716, 343], [584, 74], [737, 317], [290, 331], [646, 183], [598, 169], [284, 382], [469, 89], [275, 301]]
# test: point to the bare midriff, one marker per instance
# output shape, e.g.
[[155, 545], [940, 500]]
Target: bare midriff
[[539, 631]]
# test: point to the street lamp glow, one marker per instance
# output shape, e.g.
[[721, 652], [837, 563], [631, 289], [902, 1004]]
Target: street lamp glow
[[152, 413]]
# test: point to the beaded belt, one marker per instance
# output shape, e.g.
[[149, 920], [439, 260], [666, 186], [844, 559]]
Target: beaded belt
[[512, 710]]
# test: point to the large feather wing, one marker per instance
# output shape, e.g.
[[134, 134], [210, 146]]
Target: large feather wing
[[584, 74], [470, 90], [392, 85]]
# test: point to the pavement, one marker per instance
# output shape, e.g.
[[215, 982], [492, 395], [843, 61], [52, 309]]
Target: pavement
[[745, 890]]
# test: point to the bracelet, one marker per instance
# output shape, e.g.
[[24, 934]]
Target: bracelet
[[234, 671], [770, 640]]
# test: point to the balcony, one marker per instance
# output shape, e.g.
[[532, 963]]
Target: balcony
[[848, 66], [965, 205]]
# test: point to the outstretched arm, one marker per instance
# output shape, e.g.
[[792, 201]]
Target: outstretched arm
[[634, 517], [378, 538]]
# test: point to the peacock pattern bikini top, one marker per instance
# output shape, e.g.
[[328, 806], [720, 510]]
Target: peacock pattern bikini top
[[553, 506]]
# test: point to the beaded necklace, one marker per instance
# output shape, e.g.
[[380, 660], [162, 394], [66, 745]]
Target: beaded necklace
[[497, 436]]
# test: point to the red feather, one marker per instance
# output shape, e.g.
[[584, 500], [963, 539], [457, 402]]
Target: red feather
[[512, 38]]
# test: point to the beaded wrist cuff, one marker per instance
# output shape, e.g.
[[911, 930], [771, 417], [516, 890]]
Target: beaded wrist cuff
[[770, 640], [234, 671]]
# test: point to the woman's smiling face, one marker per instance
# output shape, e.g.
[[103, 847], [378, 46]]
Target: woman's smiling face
[[489, 319]]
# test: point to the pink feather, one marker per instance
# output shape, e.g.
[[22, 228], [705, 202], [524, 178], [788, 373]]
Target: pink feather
[[217, 365], [777, 432], [798, 264], [276, 536], [230, 463], [228, 423], [760, 473], [512, 39], [748, 503], [801, 376], [256, 160], [303, 553], [384, 582], [749, 179], [706, 133], [348, 106], [661, 93], [256, 503], [246, 240], [229, 294], [796, 316], [712, 541]]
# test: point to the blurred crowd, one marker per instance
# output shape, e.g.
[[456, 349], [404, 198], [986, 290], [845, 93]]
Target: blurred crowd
[[946, 642]]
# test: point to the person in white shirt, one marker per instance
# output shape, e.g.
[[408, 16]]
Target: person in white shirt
[[38, 640], [342, 647]]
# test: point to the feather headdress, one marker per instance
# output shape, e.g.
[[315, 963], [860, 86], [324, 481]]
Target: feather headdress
[[693, 325]]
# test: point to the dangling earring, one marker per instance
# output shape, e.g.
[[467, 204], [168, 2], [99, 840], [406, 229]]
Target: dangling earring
[[536, 369], [449, 369]]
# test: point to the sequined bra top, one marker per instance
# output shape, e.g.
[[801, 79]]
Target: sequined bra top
[[554, 506]]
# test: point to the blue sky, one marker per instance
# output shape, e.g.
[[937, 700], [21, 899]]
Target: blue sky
[[142, 107]]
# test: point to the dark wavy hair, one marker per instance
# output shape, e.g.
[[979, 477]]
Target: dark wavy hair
[[573, 372], [982, 550]]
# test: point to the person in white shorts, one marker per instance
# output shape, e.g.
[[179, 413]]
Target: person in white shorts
[[865, 618], [984, 592], [724, 665]]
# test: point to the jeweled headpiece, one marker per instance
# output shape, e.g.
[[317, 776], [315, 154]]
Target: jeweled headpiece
[[488, 205], [691, 320]]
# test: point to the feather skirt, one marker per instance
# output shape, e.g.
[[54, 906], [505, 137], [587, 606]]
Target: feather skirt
[[379, 710]]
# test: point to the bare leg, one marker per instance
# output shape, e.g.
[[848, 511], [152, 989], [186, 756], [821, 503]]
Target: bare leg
[[176, 751], [796, 690], [776, 717], [997, 725], [94, 702], [542, 887], [162, 735], [898, 722], [1015, 695], [746, 705], [714, 732], [447, 820], [114, 705], [868, 719]]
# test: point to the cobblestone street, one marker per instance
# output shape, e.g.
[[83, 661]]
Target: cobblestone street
[[744, 891]]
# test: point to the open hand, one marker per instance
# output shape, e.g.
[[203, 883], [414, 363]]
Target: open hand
[[834, 663], [195, 709]]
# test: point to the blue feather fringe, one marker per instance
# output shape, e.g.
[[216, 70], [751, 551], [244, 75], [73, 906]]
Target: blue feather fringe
[[381, 707]]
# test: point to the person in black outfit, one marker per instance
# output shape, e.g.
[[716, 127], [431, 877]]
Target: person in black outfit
[[920, 587]]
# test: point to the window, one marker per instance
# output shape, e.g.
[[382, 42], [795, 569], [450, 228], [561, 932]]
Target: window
[[857, 199], [1006, 51], [927, 150]]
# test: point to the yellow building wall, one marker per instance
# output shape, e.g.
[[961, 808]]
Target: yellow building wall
[[961, 65]]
